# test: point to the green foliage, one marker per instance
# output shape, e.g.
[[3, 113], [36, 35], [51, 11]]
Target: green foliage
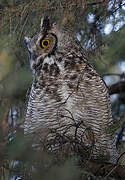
[[16, 84], [116, 44], [7, 59], [14, 78]]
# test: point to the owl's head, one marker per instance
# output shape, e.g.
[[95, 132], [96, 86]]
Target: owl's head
[[43, 47]]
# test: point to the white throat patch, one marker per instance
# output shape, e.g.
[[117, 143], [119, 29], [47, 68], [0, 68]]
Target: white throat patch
[[49, 60]]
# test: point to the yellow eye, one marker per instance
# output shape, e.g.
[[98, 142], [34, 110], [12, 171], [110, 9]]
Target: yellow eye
[[44, 43]]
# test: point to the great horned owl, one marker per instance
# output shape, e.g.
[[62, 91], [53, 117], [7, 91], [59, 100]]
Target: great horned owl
[[67, 98]]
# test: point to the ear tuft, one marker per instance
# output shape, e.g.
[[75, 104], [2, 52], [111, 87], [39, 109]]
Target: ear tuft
[[45, 24], [41, 24]]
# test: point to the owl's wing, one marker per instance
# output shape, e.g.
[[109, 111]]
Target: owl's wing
[[96, 109]]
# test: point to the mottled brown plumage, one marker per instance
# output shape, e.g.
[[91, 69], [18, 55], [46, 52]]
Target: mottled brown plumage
[[67, 100]]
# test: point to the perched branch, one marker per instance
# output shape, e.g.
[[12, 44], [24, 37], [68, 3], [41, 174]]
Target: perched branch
[[121, 75], [117, 88]]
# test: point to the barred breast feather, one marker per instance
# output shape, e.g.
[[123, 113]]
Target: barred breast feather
[[59, 105]]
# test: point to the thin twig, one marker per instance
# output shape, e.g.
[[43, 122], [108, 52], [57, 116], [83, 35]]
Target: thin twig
[[10, 24], [113, 169], [24, 26]]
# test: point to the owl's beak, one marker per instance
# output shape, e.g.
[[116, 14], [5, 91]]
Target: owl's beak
[[26, 41]]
